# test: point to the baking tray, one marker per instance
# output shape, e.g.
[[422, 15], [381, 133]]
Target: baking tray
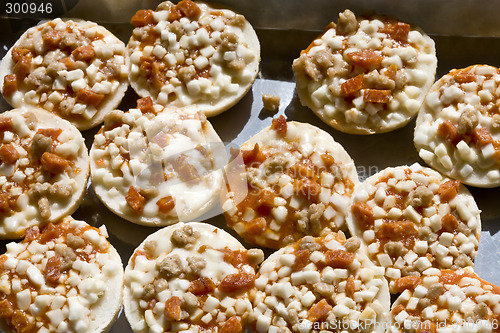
[[284, 29]]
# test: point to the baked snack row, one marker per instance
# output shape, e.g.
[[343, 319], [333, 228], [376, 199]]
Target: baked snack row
[[187, 55], [195, 277]]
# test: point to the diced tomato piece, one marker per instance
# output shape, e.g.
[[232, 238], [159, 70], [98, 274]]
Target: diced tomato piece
[[32, 233], [302, 259], [449, 223], [396, 231], [175, 14], [353, 85], [398, 31], [21, 323], [6, 309], [173, 308], [135, 200], [50, 232], [5, 123], [53, 163], [279, 125], [254, 155], [328, 159], [481, 136], [158, 74], [18, 54], [448, 190], [201, 286], [145, 105], [142, 18], [84, 53], [319, 311], [4, 202], [448, 132], [366, 58], [9, 153], [51, 39], [232, 325], [23, 67], [350, 287], [338, 258], [189, 9], [52, 133], [237, 282], [166, 204], [256, 226], [53, 269], [266, 202], [363, 214], [377, 96], [406, 282], [9, 85], [87, 96], [68, 63], [464, 76]]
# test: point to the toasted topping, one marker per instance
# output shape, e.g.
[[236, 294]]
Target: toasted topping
[[271, 102]]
